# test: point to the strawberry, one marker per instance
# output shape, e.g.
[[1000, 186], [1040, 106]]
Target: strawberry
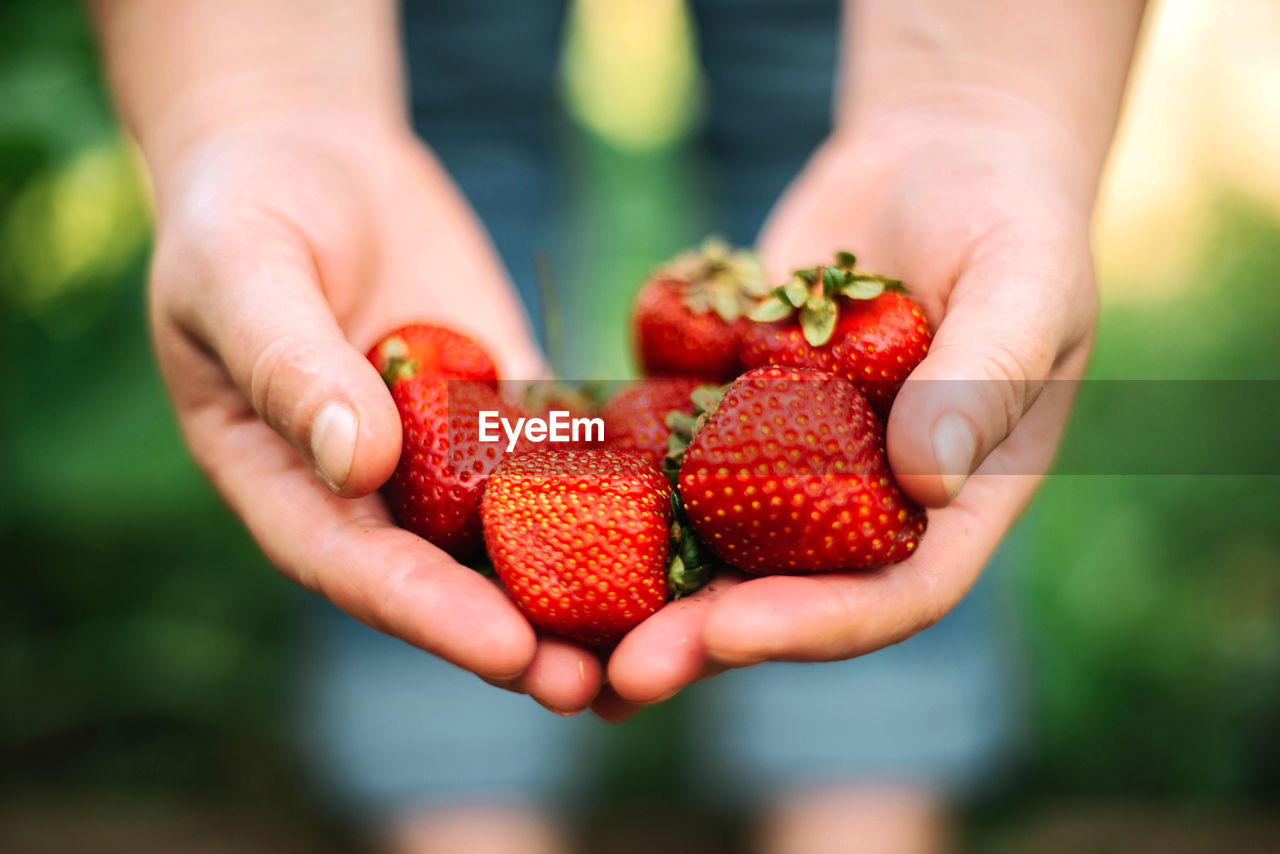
[[857, 325], [435, 490], [440, 380], [580, 539], [789, 474], [688, 318], [420, 348], [635, 418]]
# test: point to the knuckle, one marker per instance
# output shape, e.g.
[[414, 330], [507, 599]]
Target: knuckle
[[1011, 380], [198, 251], [278, 371]]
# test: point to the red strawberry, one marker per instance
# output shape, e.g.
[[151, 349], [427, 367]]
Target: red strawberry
[[580, 539], [440, 381], [789, 474], [688, 317], [635, 418], [853, 324], [435, 491], [420, 348]]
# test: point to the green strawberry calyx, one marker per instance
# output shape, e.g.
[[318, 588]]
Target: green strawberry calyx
[[690, 568], [394, 361], [718, 277], [816, 293]]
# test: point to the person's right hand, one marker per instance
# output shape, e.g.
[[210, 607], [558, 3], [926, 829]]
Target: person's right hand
[[286, 244]]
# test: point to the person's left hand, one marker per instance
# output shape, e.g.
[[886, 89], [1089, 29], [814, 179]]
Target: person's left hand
[[981, 208]]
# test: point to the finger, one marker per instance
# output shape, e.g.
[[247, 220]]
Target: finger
[[350, 552], [666, 652], [254, 298], [1012, 315], [563, 676], [611, 708], [836, 616]]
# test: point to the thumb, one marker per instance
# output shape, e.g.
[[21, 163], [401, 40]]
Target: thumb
[[1007, 321], [263, 313]]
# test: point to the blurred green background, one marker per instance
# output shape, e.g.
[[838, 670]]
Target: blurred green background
[[146, 646]]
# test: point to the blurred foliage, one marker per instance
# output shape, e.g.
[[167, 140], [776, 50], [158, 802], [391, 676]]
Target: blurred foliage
[[145, 644], [142, 637], [1153, 602], [630, 72]]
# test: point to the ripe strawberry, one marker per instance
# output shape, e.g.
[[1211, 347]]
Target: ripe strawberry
[[688, 317], [440, 380], [435, 491], [420, 348], [789, 474], [580, 539], [857, 325], [635, 418]]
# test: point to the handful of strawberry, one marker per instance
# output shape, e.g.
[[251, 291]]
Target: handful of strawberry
[[782, 470]]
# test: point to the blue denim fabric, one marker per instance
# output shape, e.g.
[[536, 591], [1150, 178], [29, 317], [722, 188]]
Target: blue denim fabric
[[387, 727], [391, 727]]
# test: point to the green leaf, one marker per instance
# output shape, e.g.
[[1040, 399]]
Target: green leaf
[[863, 288], [818, 321], [753, 280], [807, 275], [671, 466], [846, 259], [832, 280], [707, 397], [770, 309], [724, 302], [689, 568], [796, 290], [681, 422], [676, 577], [696, 301]]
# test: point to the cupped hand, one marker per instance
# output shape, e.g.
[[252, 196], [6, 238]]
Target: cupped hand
[[982, 209], [286, 244]]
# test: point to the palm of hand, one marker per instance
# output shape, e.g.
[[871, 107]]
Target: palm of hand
[[997, 256], [278, 244]]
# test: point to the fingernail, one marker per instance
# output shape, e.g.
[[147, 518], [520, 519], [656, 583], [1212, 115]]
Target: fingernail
[[333, 442], [953, 448]]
